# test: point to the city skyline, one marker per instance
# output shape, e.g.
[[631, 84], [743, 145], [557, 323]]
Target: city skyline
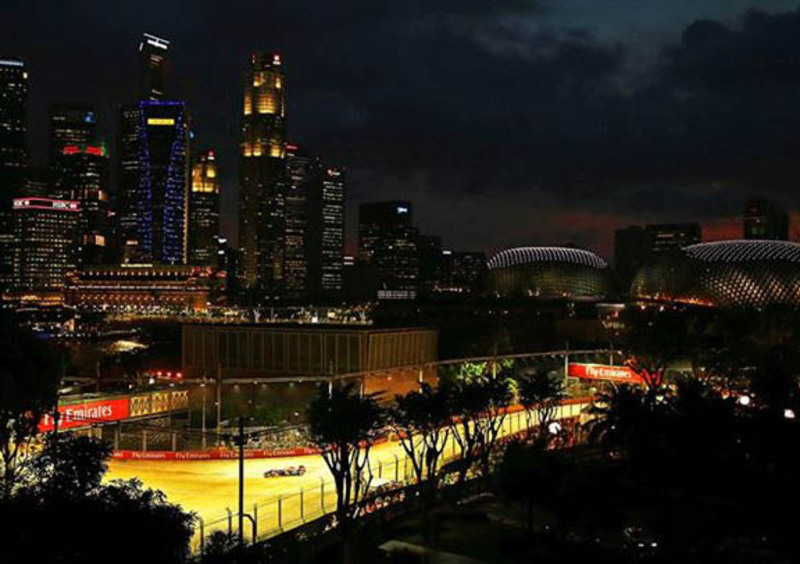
[[618, 69]]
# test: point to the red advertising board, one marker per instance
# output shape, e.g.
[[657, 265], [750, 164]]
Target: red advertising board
[[86, 413], [603, 372]]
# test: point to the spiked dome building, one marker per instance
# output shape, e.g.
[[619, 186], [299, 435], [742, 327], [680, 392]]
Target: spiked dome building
[[740, 274], [549, 273]]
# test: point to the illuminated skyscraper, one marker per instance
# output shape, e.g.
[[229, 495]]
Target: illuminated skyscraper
[[300, 186], [332, 244], [84, 177], [261, 213], [153, 68], [160, 203], [387, 245], [204, 211], [13, 154], [44, 230], [71, 124]]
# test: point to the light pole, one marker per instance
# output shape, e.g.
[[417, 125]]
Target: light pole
[[241, 480], [203, 417]]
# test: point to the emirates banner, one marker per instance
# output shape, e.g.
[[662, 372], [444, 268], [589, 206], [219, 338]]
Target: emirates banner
[[603, 372], [86, 413]]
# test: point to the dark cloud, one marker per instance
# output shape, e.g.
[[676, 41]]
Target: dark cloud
[[507, 122]]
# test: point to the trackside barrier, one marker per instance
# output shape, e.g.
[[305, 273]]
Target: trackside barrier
[[285, 512], [232, 454]]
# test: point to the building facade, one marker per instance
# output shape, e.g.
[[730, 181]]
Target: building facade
[[261, 202], [84, 177], [764, 219], [154, 67], [13, 155], [204, 210], [44, 231], [387, 245], [161, 200], [332, 237], [300, 185], [71, 124], [144, 288], [265, 351]]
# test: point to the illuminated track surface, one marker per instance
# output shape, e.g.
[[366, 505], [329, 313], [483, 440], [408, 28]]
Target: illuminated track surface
[[208, 487]]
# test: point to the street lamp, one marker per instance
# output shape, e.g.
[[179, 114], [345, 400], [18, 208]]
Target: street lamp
[[788, 413], [744, 400]]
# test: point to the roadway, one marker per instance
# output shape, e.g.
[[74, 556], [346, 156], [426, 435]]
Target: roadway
[[208, 487]]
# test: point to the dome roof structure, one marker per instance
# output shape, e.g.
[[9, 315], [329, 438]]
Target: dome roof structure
[[549, 273], [747, 274]]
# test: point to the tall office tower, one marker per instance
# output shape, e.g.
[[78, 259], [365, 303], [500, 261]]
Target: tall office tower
[[71, 123], [228, 262], [387, 245], [461, 273], [13, 154], [160, 202], [261, 213], [429, 249], [631, 251], [83, 176], [301, 187], [332, 239], [127, 181], [764, 219], [204, 210], [668, 238], [44, 231], [154, 68]]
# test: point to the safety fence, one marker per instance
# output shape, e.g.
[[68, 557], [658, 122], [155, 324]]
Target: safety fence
[[273, 516]]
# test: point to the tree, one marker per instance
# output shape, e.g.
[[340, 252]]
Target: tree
[[655, 340], [29, 378], [478, 407], [84, 519], [68, 466], [625, 421], [344, 425], [421, 420], [541, 393]]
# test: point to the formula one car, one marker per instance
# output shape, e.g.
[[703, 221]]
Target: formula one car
[[288, 471]]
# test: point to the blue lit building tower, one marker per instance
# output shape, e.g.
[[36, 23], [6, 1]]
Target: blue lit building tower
[[162, 195]]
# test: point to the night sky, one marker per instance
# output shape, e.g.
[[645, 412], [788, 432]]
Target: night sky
[[507, 123]]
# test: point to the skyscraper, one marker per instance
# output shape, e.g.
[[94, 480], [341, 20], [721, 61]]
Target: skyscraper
[[83, 176], [13, 154], [44, 230], [153, 68], [71, 123], [668, 238], [204, 211], [127, 180], [631, 251], [635, 245], [153, 73], [160, 203], [332, 239], [301, 188], [387, 245], [764, 219], [261, 213]]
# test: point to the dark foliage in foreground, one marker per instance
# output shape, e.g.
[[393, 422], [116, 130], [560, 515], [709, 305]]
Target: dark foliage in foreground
[[65, 514]]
